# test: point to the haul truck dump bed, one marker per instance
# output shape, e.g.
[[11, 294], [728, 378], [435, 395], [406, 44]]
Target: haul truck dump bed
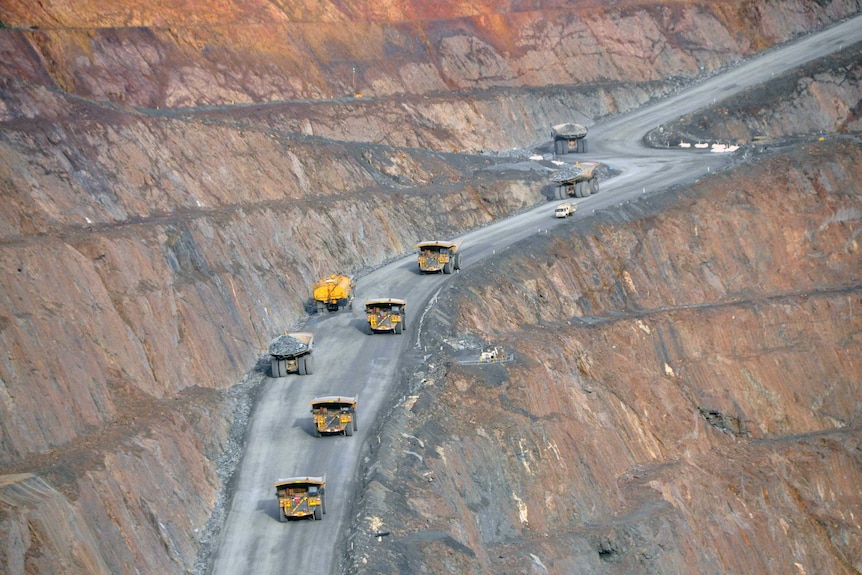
[[569, 138], [291, 353], [579, 180]]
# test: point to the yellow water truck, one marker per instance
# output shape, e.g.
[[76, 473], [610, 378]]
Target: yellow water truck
[[333, 293]]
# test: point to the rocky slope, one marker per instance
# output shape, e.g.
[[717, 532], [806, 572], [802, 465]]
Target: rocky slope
[[149, 253], [467, 76], [683, 394]]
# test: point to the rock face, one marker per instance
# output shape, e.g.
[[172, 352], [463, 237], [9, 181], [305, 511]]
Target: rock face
[[819, 97], [454, 77], [168, 181], [684, 395]]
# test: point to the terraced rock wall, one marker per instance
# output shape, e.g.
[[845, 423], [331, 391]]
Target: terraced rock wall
[[682, 396], [153, 242]]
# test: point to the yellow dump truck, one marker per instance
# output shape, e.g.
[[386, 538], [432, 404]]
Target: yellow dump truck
[[301, 497], [386, 314], [291, 353], [334, 293], [334, 414], [578, 180], [435, 256]]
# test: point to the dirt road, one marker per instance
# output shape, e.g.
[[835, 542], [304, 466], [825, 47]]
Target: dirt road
[[280, 439]]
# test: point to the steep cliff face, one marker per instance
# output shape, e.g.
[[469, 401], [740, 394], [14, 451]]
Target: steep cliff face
[[149, 253], [145, 257], [191, 252], [683, 393], [466, 58]]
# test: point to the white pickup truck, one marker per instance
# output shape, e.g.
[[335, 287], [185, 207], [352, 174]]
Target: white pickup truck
[[565, 210]]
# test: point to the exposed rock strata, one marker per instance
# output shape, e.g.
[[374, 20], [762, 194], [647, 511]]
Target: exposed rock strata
[[148, 255], [154, 56], [684, 395], [821, 97]]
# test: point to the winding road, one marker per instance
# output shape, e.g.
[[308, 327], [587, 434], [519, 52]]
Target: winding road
[[280, 441]]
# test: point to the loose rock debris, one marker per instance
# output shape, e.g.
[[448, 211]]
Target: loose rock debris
[[286, 345]]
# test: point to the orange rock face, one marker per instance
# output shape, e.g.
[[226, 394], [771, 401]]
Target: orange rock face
[[202, 53], [163, 169]]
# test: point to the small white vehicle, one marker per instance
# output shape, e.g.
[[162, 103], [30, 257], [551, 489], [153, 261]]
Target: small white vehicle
[[565, 210]]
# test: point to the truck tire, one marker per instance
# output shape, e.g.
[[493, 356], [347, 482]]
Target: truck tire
[[581, 146], [594, 186], [370, 330], [318, 513], [309, 364], [323, 502], [300, 365], [582, 190], [354, 422], [447, 267], [457, 261], [278, 368], [348, 430], [321, 307], [281, 516], [398, 327]]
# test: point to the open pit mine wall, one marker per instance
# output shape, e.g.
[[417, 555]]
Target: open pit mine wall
[[144, 258], [684, 395], [447, 68], [822, 96], [147, 261]]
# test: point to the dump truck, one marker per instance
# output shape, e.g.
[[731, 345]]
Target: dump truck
[[569, 138], [301, 497], [386, 314], [565, 210], [334, 293], [334, 414], [578, 180], [291, 353], [435, 256]]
